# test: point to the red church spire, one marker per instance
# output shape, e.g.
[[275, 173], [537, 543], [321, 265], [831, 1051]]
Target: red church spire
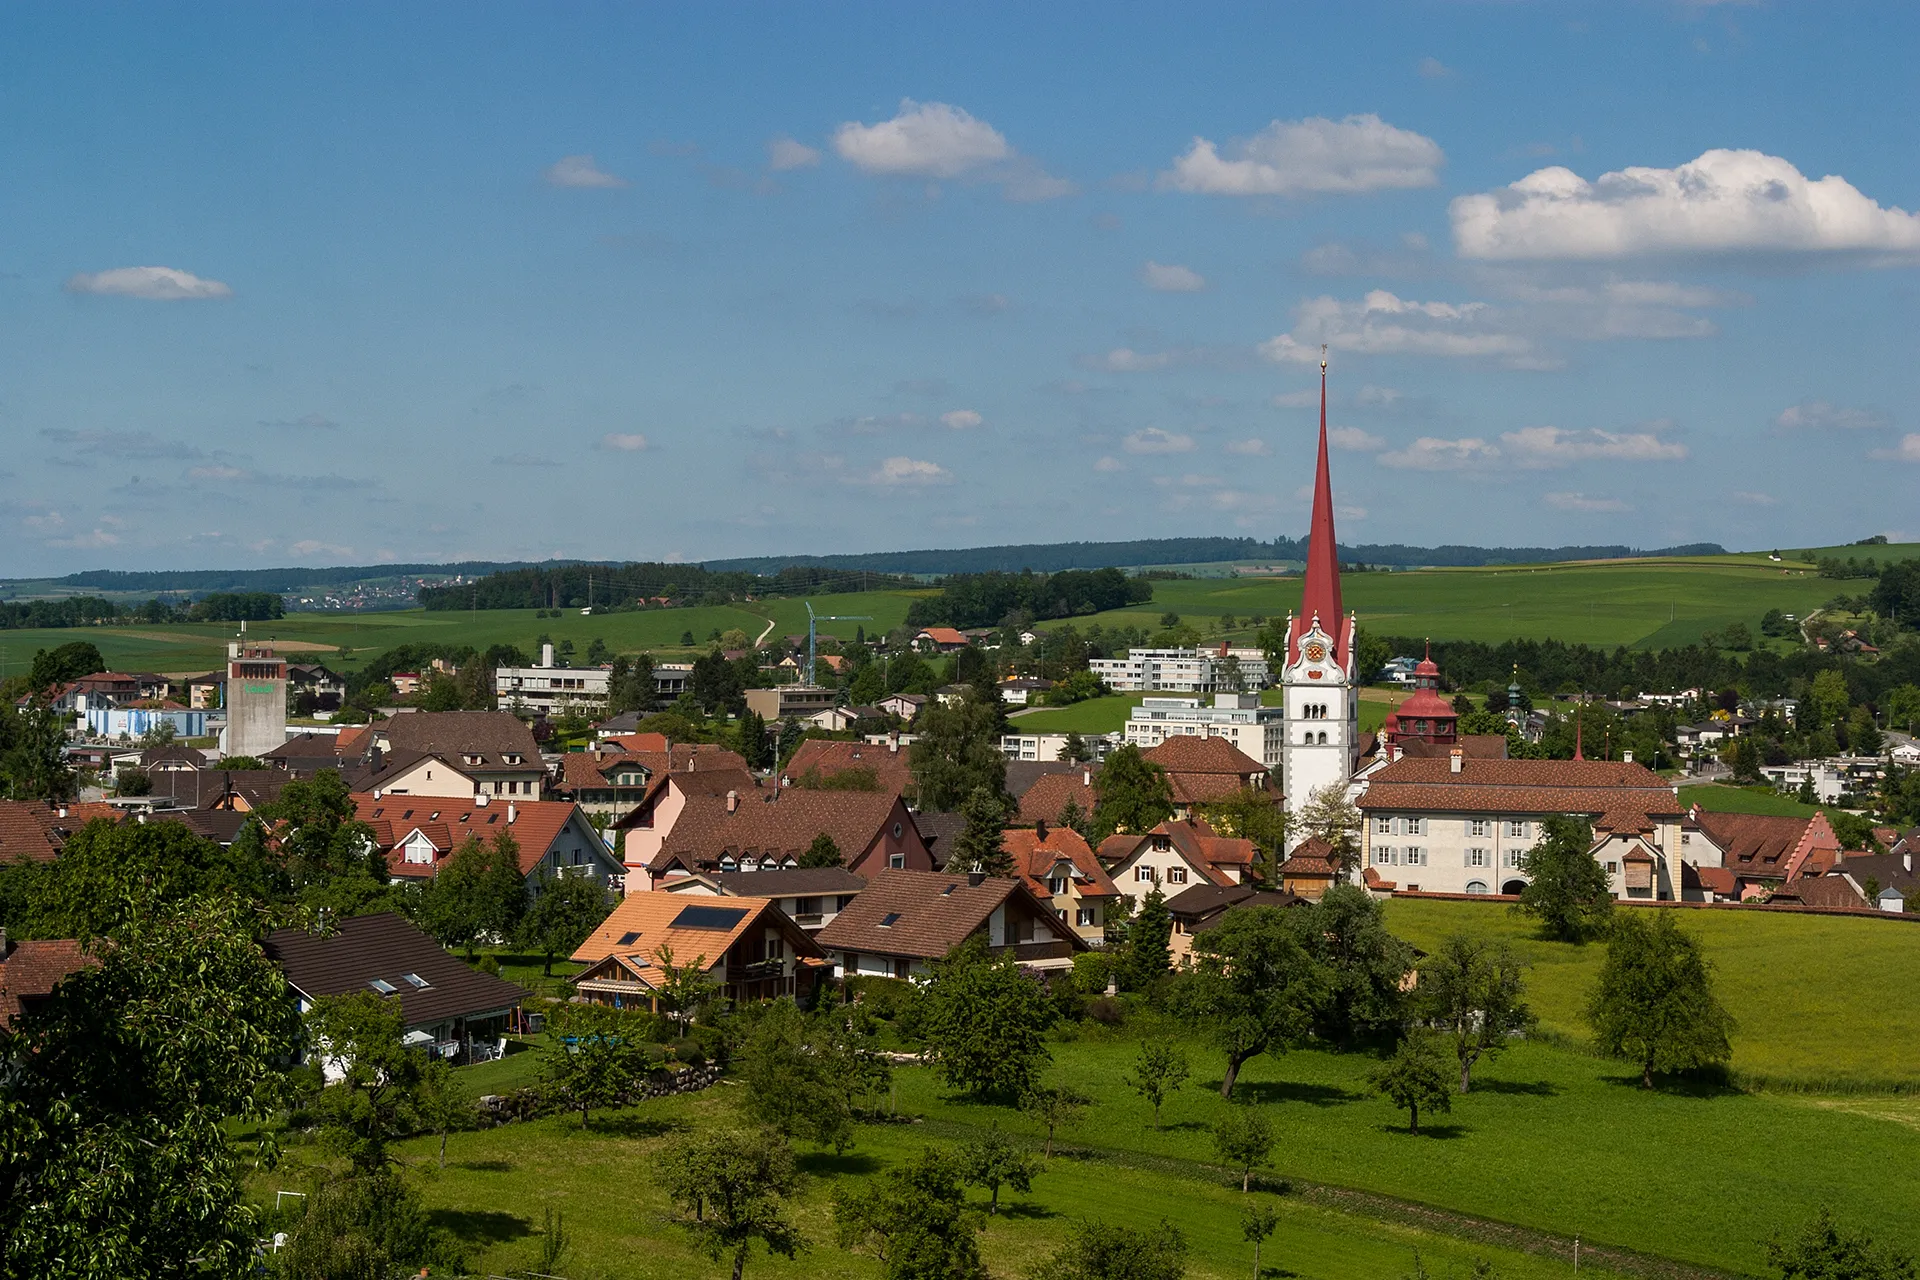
[[1321, 596]]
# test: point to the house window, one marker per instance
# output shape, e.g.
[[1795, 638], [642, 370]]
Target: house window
[[1384, 857], [1476, 857], [1613, 868], [1084, 916], [897, 861], [902, 967], [1144, 875], [1176, 875], [1416, 826], [1477, 827], [1476, 886], [1511, 857], [1383, 826], [1517, 829], [1056, 885], [1416, 856]]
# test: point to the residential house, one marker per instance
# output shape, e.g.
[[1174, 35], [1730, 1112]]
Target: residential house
[[810, 896], [1310, 869], [418, 833], [1051, 748], [1756, 854], [747, 945], [447, 1007], [904, 705], [29, 971], [820, 759], [1257, 731], [494, 748], [671, 679], [1044, 791], [1463, 824], [1204, 770], [402, 772], [1886, 880], [1199, 907], [720, 822], [35, 831], [609, 783], [313, 686], [1218, 668], [204, 692], [791, 700], [952, 695], [1172, 856], [904, 920], [1060, 869], [552, 689], [939, 640], [1019, 691]]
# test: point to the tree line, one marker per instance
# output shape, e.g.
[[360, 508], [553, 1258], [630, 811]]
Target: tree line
[[986, 599], [631, 585]]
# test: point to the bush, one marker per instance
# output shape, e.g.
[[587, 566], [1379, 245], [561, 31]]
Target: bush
[[1107, 1011], [688, 1051], [489, 964], [886, 998]]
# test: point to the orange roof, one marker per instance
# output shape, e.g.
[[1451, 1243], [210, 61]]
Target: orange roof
[[695, 926], [889, 766], [1189, 753], [1047, 798], [638, 741], [1035, 855], [448, 821], [943, 635]]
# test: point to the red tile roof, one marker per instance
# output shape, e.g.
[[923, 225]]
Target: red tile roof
[[1200, 770], [830, 757], [1311, 857], [1520, 786], [1036, 855], [1768, 845], [1047, 798], [779, 822], [925, 914], [643, 923], [1223, 859], [943, 635], [31, 970], [448, 821]]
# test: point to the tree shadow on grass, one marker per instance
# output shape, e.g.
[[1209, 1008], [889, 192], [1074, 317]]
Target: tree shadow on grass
[[629, 1124], [1438, 1132], [481, 1226], [836, 1163], [1677, 1086], [485, 1166], [1025, 1210], [1531, 1088], [1315, 1095]]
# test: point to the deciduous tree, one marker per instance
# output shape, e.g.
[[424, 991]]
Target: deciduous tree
[[1102, 1251], [914, 1219], [1417, 1075], [823, 852], [1328, 814], [807, 1076], [1567, 890], [957, 751], [732, 1188], [1056, 1107], [1253, 987], [992, 1161], [1132, 794], [986, 1022], [1822, 1249], [595, 1055], [563, 914], [1472, 989], [1653, 1004], [1244, 1139], [1158, 1072]]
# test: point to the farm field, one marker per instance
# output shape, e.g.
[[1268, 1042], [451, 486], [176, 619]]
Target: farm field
[[617, 1217], [1822, 1002]]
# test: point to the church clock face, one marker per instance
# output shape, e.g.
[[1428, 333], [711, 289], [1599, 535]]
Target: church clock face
[[1315, 652]]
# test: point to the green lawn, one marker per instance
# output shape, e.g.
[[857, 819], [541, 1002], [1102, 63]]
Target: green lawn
[[1095, 715], [1715, 798], [498, 1182], [1821, 1001]]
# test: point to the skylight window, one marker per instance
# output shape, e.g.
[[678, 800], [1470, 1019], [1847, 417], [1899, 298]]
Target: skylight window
[[948, 891], [416, 981], [888, 920], [381, 985], [709, 918], [628, 938]]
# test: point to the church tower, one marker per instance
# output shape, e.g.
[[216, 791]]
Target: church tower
[[1318, 678]]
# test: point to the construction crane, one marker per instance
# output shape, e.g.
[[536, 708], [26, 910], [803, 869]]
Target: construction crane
[[812, 639]]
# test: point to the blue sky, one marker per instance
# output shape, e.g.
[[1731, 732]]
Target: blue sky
[[287, 284]]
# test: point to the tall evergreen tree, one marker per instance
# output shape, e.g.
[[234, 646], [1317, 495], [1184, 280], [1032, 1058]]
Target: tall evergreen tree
[[1149, 947], [981, 845]]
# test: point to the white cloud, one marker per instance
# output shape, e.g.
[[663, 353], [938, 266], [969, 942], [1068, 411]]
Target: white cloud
[[1108, 464], [1254, 447], [1165, 278], [1429, 453], [216, 471], [924, 139], [908, 471], [1300, 157], [1383, 324], [1557, 447], [1154, 440], [1296, 399], [961, 419], [92, 540], [1908, 450], [1722, 202], [1433, 69], [1025, 182], [1127, 360], [1372, 397], [1581, 502], [156, 284], [580, 171], [784, 154], [1818, 415], [1749, 498], [313, 547], [1354, 440], [623, 442]]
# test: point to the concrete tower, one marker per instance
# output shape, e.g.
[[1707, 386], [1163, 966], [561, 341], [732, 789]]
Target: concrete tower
[[1322, 703], [256, 701]]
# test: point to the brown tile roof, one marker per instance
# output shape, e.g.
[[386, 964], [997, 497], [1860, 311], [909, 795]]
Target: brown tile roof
[[788, 882], [779, 821], [1720, 880], [926, 914], [831, 757], [363, 948], [1311, 857], [1047, 798], [1036, 854], [1754, 843], [1475, 746], [1202, 904], [943, 635], [448, 821], [1193, 754], [1520, 786], [1823, 891], [1023, 774], [693, 925], [31, 970], [495, 736], [24, 834], [1223, 859]]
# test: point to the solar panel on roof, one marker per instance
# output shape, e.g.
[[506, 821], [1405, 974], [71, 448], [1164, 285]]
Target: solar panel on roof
[[709, 917]]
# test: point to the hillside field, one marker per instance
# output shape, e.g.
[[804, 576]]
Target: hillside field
[[1637, 603]]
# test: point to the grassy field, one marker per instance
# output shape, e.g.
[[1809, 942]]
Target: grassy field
[[498, 1182], [1822, 1001], [1107, 715], [1715, 798]]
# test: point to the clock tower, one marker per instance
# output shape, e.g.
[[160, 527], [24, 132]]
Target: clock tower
[[1318, 679]]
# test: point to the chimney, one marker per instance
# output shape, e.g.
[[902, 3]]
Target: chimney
[[512, 813], [893, 742], [1040, 830], [5, 946], [1906, 860], [733, 801], [1626, 757], [1086, 777], [975, 879], [1454, 757], [546, 655]]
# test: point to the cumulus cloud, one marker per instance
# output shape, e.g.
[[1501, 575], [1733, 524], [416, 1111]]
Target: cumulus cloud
[[1155, 440], [910, 472], [1433, 69], [1818, 415], [1429, 453], [784, 154], [155, 284], [1354, 440], [1372, 397], [580, 171], [314, 547], [1908, 450], [623, 442], [1723, 202], [1382, 323], [938, 140], [92, 540], [1296, 399], [961, 419], [118, 444], [1253, 447], [1127, 360], [1534, 449], [1108, 464], [1165, 278], [1581, 502], [1316, 156]]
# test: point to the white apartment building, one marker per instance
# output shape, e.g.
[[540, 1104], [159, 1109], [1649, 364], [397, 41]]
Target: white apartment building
[[1260, 732], [1199, 670], [550, 688], [1047, 747]]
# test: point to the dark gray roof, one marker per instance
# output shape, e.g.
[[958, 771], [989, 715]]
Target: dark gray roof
[[386, 947], [938, 832], [1205, 902], [789, 882]]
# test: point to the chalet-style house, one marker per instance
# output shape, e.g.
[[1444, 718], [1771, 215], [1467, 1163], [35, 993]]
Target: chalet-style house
[[1201, 906], [939, 640], [750, 948], [1175, 855], [609, 780], [1201, 770], [903, 920], [493, 748], [419, 833], [448, 1007], [1459, 824], [810, 896], [720, 820], [1060, 869]]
